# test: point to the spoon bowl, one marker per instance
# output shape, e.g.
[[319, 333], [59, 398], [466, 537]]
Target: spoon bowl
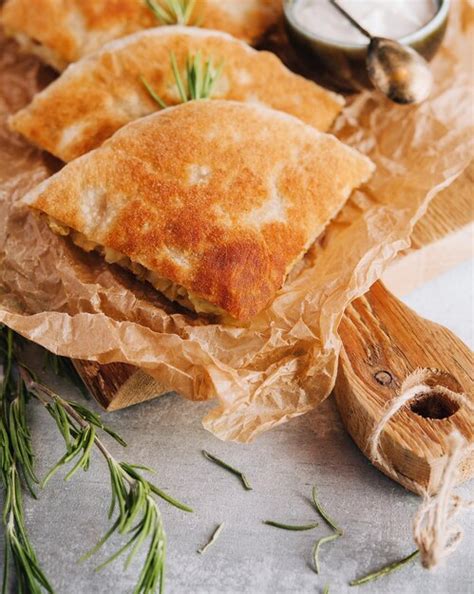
[[398, 71]]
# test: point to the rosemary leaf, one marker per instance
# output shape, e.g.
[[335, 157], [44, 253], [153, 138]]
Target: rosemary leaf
[[199, 82], [160, 13], [317, 546], [87, 438], [385, 570], [179, 81], [295, 527], [131, 469], [188, 10], [96, 420], [324, 514], [326, 589], [153, 93], [201, 79], [6, 337], [172, 12], [20, 439], [212, 540], [223, 464]]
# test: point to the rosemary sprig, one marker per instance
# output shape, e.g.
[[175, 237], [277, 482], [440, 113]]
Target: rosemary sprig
[[137, 514], [172, 12], [76, 420], [212, 540], [385, 570], [16, 465], [139, 518], [231, 469], [295, 527], [200, 80]]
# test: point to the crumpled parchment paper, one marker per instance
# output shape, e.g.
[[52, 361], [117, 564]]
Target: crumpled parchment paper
[[285, 362]]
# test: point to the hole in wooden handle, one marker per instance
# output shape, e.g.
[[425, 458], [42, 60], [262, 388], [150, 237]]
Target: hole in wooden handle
[[435, 405], [383, 377]]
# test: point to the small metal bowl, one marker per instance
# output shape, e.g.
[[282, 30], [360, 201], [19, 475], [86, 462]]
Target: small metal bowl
[[344, 64]]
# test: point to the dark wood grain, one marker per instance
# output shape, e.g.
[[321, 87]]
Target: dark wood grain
[[104, 381]]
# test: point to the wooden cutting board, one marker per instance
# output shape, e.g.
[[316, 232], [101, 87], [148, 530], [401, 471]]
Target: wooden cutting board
[[441, 239]]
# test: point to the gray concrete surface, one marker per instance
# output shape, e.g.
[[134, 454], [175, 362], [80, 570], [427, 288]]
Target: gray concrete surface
[[282, 465]]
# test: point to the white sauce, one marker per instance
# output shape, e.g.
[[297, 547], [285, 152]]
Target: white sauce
[[383, 18]]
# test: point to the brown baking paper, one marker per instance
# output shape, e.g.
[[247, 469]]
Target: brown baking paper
[[285, 362]]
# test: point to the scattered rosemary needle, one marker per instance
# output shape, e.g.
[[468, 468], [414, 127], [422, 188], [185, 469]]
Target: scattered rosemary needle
[[223, 464], [317, 546], [199, 83], [329, 521], [212, 540], [172, 12], [326, 589], [295, 527], [385, 570]]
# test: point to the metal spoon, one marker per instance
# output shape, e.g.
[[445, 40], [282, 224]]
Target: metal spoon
[[396, 70]]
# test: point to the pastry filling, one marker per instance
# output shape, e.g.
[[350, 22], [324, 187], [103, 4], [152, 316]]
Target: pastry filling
[[172, 291]]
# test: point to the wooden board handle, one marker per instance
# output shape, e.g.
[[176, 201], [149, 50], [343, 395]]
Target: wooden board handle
[[385, 342]]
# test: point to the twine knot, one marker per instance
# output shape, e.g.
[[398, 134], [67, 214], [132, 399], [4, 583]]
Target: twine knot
[[433, 531]]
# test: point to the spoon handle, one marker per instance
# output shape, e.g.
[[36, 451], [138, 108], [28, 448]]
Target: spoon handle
[[351, 19]]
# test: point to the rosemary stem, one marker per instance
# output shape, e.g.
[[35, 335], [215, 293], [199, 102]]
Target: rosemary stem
[[41, 391], [222, 464]]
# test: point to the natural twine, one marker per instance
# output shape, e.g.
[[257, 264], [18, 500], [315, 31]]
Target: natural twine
[[433, 531]]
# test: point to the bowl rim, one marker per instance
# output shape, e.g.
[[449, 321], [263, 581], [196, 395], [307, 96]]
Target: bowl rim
[[425, 31]]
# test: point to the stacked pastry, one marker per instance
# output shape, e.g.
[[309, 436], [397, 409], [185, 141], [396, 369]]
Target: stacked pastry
[[214, 201], [63, 31]]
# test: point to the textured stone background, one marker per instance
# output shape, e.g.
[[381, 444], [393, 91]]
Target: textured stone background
[[282, 466]]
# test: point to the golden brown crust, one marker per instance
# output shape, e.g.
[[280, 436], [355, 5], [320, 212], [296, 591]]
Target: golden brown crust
[[71, 29], [103, 92], [217, 196]]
